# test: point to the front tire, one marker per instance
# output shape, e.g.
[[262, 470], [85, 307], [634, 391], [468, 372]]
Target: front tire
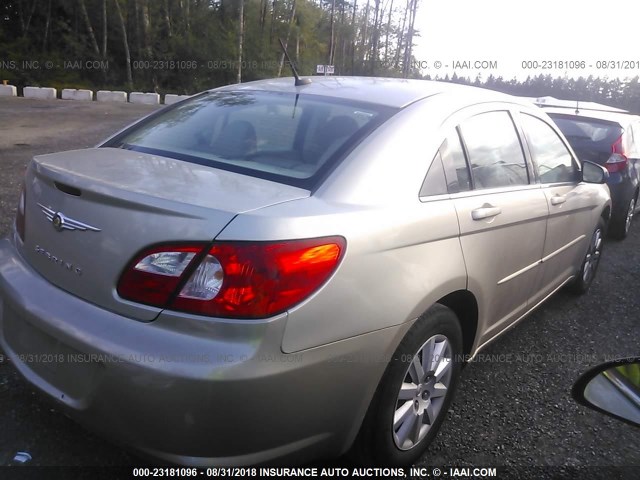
[[584, 278], [415, 393]]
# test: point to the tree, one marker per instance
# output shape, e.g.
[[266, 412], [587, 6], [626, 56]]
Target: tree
[[104, 29], [125, 42], [240, 40], [87, 22], [286, 43]]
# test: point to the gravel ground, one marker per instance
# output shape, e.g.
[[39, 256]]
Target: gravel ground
[[512, 411]]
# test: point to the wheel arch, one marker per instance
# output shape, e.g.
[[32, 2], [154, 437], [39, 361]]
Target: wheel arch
[[465, 306], [606, 213]]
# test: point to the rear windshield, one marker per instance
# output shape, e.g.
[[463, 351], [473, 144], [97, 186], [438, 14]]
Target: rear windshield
[[588, 132], [290, 138]]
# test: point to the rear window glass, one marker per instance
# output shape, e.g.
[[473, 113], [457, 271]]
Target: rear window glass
[[583, 132], [284, 137]]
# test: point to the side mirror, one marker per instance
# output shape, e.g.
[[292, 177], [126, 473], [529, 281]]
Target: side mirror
[[594, 173], [612, 388]]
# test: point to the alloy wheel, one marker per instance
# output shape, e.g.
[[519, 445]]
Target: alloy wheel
[[593, 256], [423, 392], [632, 207]]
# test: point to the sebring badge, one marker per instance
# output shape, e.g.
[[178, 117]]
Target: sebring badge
[[60, 222]]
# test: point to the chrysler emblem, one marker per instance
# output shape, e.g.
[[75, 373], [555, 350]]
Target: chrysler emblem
[[58, 222], [61, 222]]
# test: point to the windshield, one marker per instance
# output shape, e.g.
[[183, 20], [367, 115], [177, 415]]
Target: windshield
[[289, 138]]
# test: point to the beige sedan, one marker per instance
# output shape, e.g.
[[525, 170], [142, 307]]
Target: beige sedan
[[281, 272]]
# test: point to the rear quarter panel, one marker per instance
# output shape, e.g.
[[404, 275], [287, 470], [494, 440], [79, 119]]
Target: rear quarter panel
[[402, 254]]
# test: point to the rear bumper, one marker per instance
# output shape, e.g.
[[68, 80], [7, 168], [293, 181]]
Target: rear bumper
[[184, 388]]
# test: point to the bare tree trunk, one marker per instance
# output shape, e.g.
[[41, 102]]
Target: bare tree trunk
[[146, 27], [92, 37], [104, 29], [187, 14], [273, 20], [355, 37], [386, 42], [46, 27], [343, 38], [137, 21], [167, 18], [263, 15], [401, 36], [75, 22], [240, 40], [286, 43], [364, 32], [409, 47], [33, 9], [126, 45], [374, 39], [333, 33], [21, 16]]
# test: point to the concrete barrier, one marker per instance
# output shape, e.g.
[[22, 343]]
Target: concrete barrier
[[73, 94], [170, 98], [146, 98], [109, 96], [8, 91], [42, 93]]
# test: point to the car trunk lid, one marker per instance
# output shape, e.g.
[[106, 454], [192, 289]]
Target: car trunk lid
[[88, 212]]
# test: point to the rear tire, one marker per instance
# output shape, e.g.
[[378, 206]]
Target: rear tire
[[415, 392], [589, 267], [620, 227]]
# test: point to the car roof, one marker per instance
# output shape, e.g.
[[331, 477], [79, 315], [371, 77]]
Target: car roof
[[620, 118], [549, 101], [391, 92]]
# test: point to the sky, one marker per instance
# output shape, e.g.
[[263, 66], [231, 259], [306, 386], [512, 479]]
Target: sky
[[510, 32]]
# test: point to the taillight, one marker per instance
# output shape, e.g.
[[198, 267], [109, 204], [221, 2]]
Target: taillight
[[618, 161], [153, 276], [234, 279], [20, 214]]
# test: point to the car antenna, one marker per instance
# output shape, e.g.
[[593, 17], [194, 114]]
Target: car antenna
[[299, 81]]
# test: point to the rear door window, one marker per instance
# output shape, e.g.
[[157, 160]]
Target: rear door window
[[495, 153]]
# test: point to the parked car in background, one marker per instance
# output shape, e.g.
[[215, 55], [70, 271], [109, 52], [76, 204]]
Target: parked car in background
[[613, 141], [269, 271]]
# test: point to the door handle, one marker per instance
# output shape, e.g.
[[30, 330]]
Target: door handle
[[558, 199], [486, 211]]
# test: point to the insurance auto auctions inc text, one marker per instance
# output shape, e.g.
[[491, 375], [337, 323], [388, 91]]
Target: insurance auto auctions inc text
[[371, 472]]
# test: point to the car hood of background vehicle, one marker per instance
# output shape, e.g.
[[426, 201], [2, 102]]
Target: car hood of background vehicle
[[165, 178]]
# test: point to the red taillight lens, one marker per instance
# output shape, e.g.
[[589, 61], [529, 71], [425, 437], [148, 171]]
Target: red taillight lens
[[20, 214], [240, 279], [618, 161], [617, 146]]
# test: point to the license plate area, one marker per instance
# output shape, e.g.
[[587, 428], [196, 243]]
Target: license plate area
[[50, 360]]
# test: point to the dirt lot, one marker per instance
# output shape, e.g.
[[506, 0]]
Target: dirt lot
[[31, 127], [513, 407]]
